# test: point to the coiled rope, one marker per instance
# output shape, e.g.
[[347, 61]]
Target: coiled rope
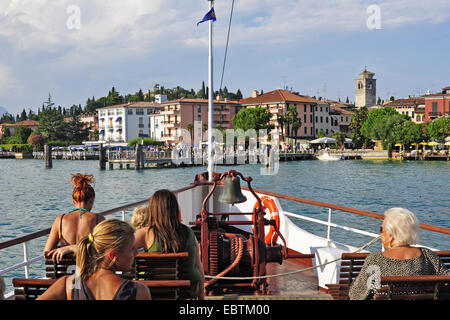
[[291, 272]]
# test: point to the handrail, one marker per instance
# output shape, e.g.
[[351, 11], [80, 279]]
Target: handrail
[[44, 232], [344, 209]]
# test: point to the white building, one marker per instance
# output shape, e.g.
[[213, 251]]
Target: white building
[[322, 118], [124, 122]]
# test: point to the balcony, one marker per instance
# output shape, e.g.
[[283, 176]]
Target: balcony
[[170, 112], [435, 114], [171, 124]]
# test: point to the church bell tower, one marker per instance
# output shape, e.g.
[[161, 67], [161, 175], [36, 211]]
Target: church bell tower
[[365, 89]]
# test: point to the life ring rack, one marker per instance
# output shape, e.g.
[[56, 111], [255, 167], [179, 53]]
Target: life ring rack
[[269, 203]]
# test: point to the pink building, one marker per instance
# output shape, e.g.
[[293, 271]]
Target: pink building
[[183, 113], [437, 105], [278, 101]]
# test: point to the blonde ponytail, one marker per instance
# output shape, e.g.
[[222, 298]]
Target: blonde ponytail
[[108, 234]]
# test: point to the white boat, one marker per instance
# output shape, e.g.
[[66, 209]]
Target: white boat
[[327, 157], [295, 264]]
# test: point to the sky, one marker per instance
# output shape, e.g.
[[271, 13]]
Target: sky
[[75, 49]]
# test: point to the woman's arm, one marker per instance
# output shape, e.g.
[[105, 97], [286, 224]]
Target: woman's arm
[[143, 292], [57, 291], [139, 238], [54, 236], [58, 253]]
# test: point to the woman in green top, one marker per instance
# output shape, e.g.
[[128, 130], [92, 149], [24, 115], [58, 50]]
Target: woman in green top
[[165, 233]]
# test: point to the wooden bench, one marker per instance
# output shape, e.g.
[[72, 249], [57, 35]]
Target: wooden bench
[[31, 289], [55, 270], [414, 288], [153, 266], [156, 266], [351, 265]]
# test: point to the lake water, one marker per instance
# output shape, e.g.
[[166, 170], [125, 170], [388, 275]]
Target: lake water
[[32, 196]]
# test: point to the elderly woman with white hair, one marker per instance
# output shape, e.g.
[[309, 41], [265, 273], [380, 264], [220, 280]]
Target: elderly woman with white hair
[[399, 231]]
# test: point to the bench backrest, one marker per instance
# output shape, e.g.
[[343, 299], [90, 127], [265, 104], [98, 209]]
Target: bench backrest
[[55, 270], [414, 288], [31, 289], [159, 266], [162, 266], [352, 263]]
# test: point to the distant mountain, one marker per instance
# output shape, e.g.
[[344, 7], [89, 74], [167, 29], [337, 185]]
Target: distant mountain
[[2, 111]]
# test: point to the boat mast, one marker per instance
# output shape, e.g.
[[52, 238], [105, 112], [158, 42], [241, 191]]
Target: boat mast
[[210, 99]]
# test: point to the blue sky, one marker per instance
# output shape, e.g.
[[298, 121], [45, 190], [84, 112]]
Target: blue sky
[[317, 48]]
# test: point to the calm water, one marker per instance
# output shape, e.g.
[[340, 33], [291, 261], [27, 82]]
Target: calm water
[[31, 196]]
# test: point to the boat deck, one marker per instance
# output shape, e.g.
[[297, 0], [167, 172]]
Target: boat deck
[[297, 286]]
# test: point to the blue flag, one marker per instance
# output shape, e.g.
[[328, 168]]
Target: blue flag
[[211, 15]]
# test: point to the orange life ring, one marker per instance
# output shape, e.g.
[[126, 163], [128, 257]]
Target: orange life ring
[[269, 203]]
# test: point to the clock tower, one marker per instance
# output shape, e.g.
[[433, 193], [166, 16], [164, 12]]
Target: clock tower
[[365, 89]]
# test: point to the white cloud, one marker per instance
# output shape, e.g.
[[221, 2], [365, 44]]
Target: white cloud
[[7, 81]]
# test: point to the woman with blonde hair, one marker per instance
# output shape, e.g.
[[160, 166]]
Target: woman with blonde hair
[[399, 232], [165, 233], [139, 218], [110, 248], [69, 227]]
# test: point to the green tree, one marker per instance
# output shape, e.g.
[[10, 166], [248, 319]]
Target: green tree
[[438, 129], [388, 129], [358, 118], [75, 131], [339, 137], [408, 132], [373, 117], [21, 134], [51, 122], [252, 118], [293, 120], [321, 133], [23, 116]]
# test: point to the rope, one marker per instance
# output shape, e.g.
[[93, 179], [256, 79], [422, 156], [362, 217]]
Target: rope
[[296, 271], [226, 47], [231, 266]]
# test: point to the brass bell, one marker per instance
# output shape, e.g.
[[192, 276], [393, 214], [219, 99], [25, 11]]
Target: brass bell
[[232, 193]]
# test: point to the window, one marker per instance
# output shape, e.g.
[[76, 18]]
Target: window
[[139, 111], [434, 107], [321, 119], [304, 117], [304, 108], [326, 119], [130, 111], [306, 132], [199, 108]]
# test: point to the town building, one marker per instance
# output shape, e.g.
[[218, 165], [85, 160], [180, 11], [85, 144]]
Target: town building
[[277, 103], [184, 113], [12, 126], [437, 105], [412, 107], [124, 122], [365, 89]]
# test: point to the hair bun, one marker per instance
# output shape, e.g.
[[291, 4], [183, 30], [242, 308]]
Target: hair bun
[[79, 180]]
